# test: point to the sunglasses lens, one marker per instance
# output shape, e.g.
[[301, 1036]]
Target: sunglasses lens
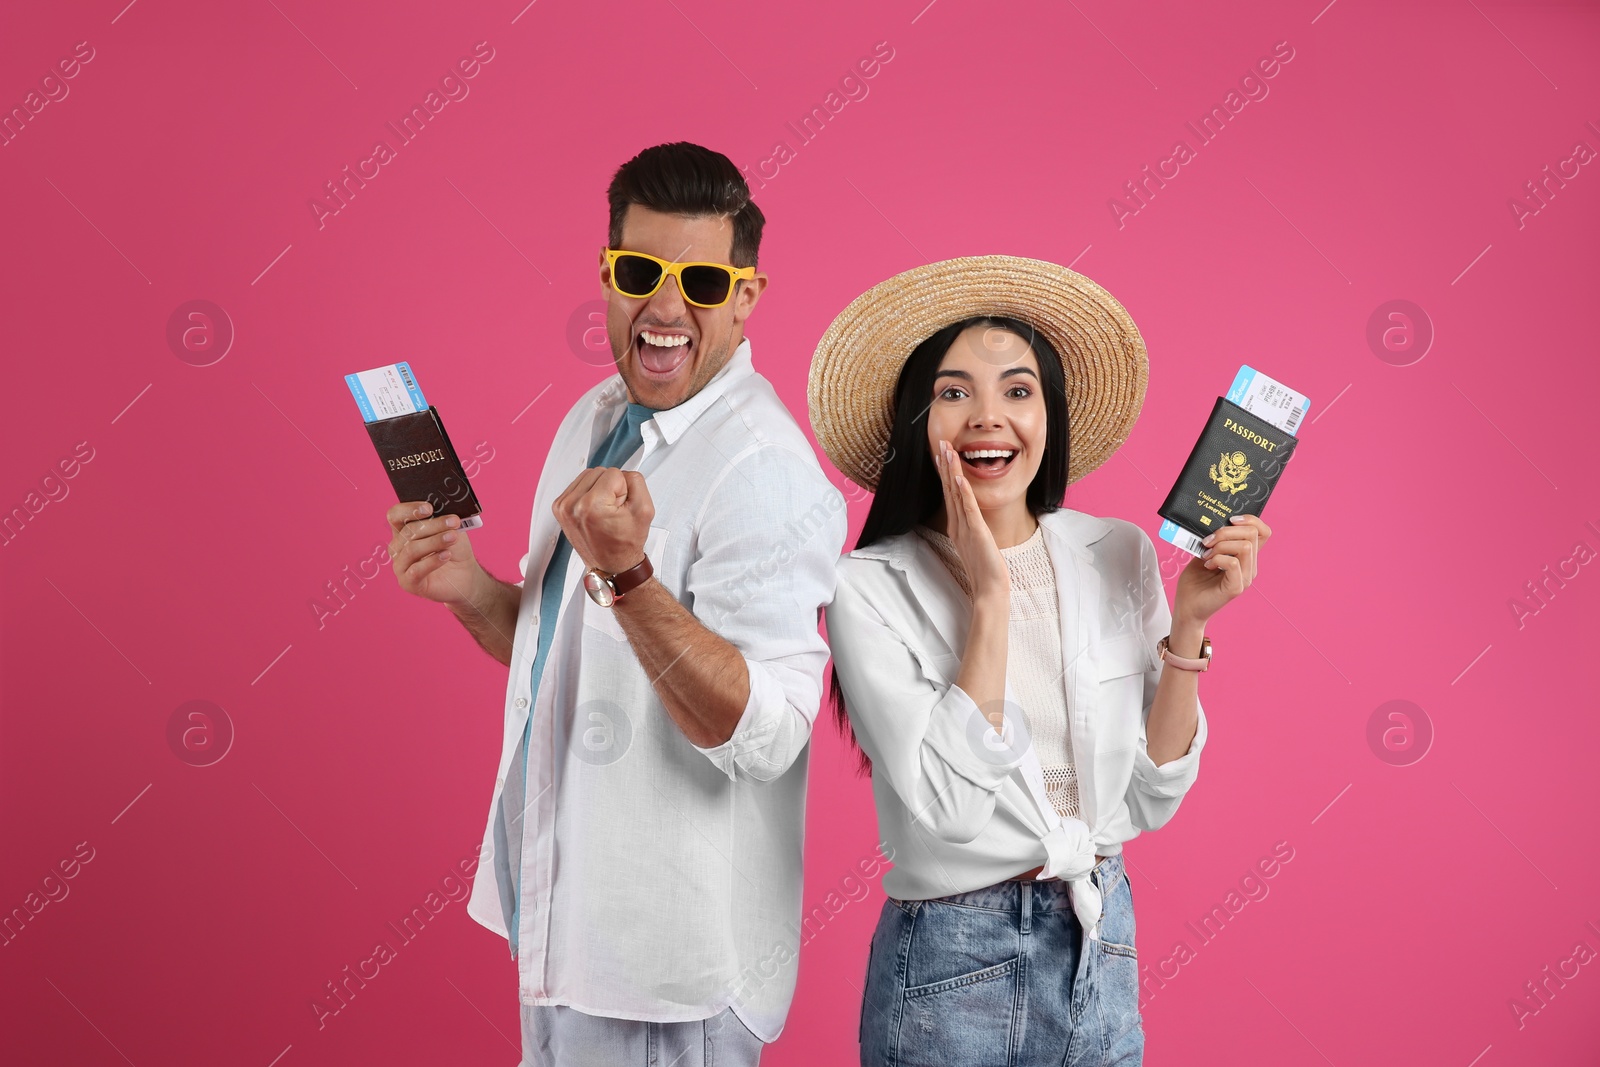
[[706, 285], [635, 275]]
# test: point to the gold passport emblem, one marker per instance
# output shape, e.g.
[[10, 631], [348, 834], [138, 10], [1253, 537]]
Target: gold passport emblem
[[1230, 472]]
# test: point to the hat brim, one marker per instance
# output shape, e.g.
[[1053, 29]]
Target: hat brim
[[850, 389]]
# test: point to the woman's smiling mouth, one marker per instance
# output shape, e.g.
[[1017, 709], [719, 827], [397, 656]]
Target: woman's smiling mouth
[[988, 462]]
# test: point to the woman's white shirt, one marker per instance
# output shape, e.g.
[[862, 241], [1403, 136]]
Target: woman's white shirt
[[963, 806], [1033, 655]]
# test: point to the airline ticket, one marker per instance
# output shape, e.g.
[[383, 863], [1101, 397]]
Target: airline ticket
[[384, 392]]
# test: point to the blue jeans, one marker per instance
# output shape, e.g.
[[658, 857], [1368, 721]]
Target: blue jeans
[[999, 976]]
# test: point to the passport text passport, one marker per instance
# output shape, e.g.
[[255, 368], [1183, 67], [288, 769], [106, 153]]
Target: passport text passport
[[1232, 470], [409, 435]]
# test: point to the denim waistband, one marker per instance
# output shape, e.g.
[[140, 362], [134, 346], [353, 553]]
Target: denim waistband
[[1051, 895]]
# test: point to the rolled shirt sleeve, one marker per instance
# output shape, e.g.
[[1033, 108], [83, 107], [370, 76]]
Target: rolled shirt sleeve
[[1154, 792], [766, 543], [943, 758]]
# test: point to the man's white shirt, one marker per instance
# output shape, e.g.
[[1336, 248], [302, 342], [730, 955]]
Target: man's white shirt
[[661, 881]]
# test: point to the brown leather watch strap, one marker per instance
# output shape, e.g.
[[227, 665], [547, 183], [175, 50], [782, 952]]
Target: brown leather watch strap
[[625, 581]]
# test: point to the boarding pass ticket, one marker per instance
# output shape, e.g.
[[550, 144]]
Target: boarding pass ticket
[[1267, 399], [384, 392]]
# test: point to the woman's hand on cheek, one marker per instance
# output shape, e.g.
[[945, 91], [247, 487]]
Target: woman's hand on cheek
[[1232, 558], [985, 566]]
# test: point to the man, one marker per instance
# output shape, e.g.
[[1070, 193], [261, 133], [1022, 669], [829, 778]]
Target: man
[[648, 811]]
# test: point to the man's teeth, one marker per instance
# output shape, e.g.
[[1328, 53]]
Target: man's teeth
[[663, 340], [988, 453]]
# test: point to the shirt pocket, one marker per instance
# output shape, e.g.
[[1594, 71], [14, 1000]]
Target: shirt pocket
[[1123, 662], [1122, 656], [939, 668], [605, 619]]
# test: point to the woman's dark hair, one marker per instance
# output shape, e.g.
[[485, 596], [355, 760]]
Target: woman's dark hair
[[909, 490], [684, 179]]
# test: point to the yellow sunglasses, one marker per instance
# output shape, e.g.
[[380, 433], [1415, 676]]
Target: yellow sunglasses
[[706, 285]]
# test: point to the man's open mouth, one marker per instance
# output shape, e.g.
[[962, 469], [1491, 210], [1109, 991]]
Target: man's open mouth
[[988, 461], [662, 352]]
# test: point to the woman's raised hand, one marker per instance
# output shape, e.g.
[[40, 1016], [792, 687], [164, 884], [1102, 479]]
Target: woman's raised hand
[[1226, 570], [985, 566]]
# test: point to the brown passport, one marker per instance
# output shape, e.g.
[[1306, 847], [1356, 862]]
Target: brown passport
[[422, 464]]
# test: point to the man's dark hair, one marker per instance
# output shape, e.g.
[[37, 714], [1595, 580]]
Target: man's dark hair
[[684, 179]]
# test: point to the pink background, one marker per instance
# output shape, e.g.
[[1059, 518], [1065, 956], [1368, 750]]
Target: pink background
[[184, 558]]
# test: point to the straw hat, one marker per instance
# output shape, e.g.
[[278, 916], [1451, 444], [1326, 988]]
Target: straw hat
[[857, 363]]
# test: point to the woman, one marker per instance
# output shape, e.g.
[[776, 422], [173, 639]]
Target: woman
[[1024, 698]]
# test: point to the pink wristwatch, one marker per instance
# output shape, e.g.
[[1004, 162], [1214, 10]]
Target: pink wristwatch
[[1183, 663]]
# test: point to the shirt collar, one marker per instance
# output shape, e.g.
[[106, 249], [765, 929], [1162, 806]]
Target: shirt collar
[[673, 423], [1073, 530]]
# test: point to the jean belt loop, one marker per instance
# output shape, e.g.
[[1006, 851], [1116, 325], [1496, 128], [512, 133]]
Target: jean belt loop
[[1026, 907]]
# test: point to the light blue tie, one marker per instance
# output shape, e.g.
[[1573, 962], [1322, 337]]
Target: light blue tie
[[622, 442]]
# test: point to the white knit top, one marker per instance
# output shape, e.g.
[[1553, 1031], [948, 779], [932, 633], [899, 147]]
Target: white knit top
[[1033, 662]]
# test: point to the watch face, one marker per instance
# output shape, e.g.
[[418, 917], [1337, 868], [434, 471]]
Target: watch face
[[598, 588]]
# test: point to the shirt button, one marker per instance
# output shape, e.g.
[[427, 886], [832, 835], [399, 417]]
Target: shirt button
[[522, 702], [499, 783]]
